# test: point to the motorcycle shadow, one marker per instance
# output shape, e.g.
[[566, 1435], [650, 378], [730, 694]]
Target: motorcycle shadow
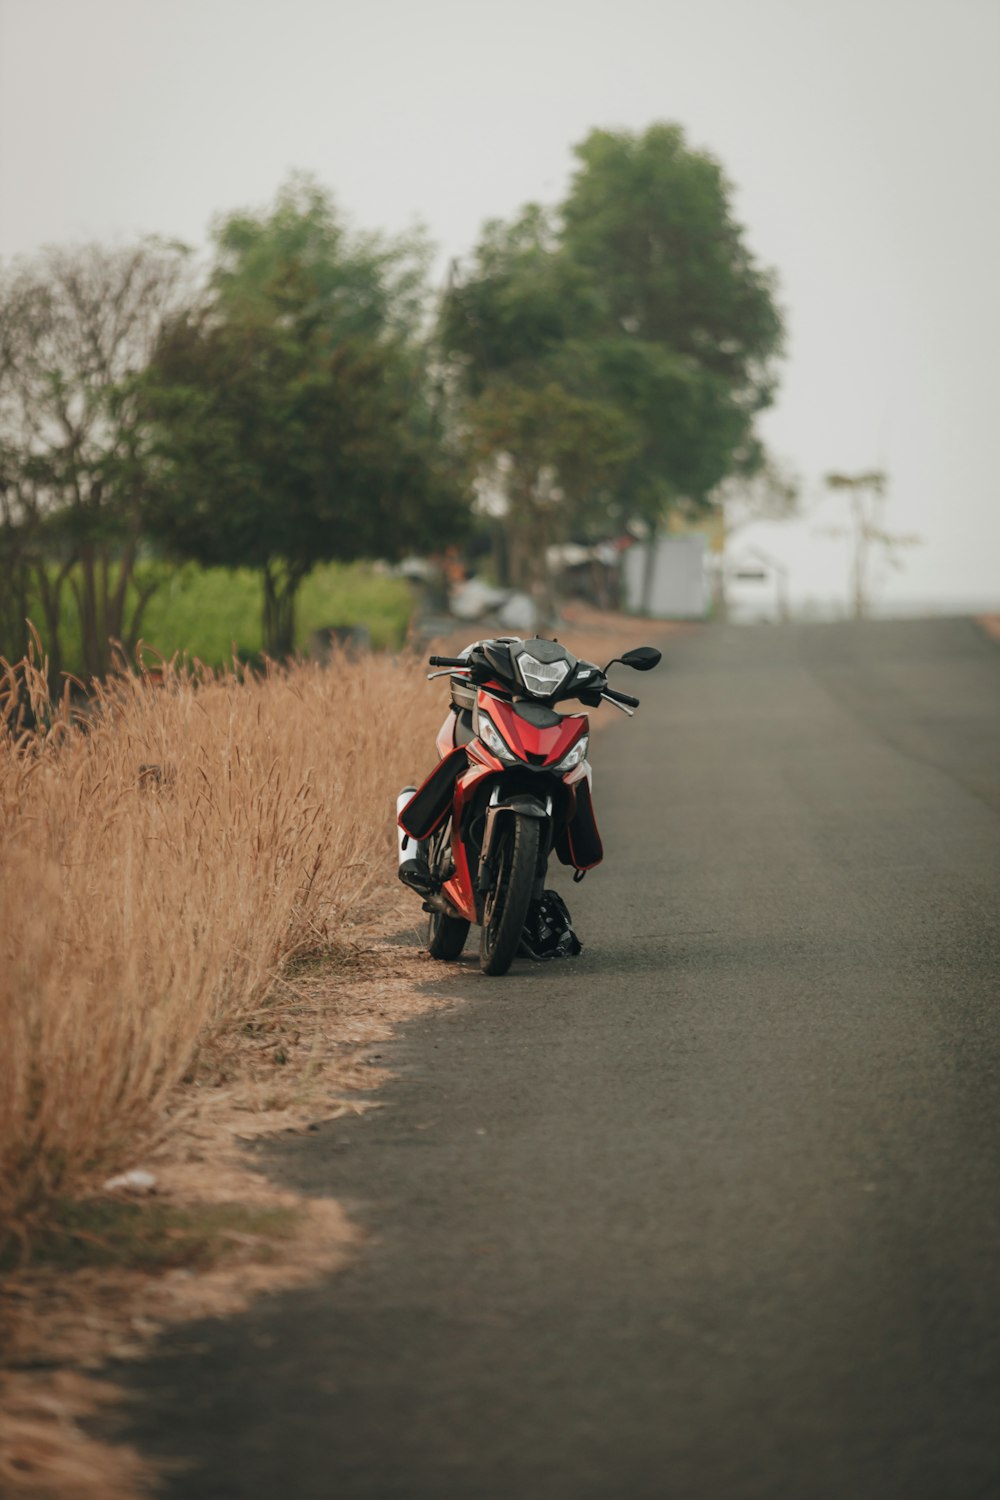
[[596, 961]]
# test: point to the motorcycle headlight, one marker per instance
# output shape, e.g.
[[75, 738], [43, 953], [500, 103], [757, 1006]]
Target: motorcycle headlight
[[541, 678], [493, 739], [573, 757]]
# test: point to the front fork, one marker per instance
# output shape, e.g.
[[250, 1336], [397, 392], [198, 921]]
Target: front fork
[[496, 812]]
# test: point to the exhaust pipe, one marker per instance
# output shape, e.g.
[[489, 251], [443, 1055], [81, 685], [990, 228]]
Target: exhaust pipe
[[406, 846]]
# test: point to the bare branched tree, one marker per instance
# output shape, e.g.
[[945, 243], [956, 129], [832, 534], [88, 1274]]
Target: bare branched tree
[[771, 493], [77, 328], [866, 493]]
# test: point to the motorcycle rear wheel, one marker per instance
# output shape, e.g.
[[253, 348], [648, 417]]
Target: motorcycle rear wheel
[[515, 858], [445, 935]]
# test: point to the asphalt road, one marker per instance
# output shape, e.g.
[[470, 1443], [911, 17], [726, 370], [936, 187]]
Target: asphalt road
[[711, 1212]]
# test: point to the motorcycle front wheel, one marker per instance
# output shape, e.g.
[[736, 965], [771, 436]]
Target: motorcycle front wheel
[[514, 858]]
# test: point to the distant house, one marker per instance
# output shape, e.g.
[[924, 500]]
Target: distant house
[[678, 587]]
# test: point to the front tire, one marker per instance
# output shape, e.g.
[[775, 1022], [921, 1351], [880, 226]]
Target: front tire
[[515, 856]]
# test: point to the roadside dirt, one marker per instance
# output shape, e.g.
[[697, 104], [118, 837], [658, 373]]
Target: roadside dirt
[[312, 1056]]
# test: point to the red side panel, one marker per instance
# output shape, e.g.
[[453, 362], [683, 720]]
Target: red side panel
[[431, 802], [460, 889], [579, 843]]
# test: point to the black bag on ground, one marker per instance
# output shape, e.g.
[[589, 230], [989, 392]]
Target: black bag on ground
[[548, 932]]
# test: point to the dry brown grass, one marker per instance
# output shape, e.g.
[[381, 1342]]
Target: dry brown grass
[[163, 859], [45, 1454]]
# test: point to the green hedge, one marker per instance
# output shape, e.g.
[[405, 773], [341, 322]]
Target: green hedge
[[203, 612]]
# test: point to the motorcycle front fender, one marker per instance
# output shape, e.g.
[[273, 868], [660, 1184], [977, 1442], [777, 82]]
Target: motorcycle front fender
[[524, 805]]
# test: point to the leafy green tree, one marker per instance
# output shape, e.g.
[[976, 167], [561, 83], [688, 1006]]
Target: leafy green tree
[[295, 416], [518, 306], [638, 309], [536, 418], [552, 453], [690, 330]]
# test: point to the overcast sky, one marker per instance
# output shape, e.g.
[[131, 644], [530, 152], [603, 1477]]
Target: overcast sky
[[861, 137]]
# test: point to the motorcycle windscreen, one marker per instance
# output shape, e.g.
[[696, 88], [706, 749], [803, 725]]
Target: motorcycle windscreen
[[431, 802], [578, 842]]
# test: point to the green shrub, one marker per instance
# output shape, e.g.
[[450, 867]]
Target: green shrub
[[206, 612]]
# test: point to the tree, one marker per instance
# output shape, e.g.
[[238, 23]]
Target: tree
[[294, 415], [76, 329], [691, 330], [866, 492], [517, 307], [551, 453], [528, 399], [770, 492], [640, 297]]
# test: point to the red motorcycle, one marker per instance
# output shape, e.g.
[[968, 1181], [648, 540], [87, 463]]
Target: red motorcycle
[[512, 784]]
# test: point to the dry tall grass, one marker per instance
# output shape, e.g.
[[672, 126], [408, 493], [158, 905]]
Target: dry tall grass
[[161, 858]]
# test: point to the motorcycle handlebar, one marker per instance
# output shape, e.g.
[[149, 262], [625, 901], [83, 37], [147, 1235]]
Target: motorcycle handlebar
[[625, 698], [460, 661]]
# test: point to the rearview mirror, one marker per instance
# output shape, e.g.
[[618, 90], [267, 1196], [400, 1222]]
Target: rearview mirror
[[640, 659]]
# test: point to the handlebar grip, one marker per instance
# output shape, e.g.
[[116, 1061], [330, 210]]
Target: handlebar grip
[[447, 661], [625, 698]]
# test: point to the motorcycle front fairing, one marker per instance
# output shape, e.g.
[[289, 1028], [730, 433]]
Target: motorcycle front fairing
[[545, 738], [522, 776]]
